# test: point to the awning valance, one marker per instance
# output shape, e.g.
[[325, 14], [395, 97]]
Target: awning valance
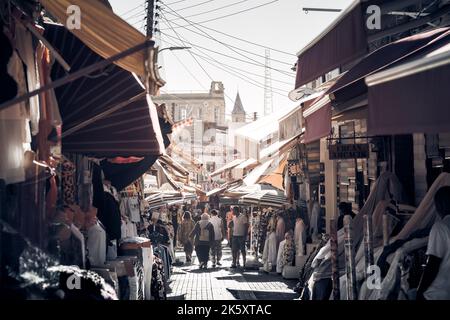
[[102, 31], [413, 97], [352, 84], [318, 120], [106, 114], [342, 42]]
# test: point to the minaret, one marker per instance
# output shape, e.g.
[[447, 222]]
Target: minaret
[[238, 114]]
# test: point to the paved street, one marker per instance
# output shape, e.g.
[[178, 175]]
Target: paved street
[[222, 283]]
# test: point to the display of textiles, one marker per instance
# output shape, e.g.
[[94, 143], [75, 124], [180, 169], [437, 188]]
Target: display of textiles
[[262, 230], [307, 271], [158, 286], [139, 268]]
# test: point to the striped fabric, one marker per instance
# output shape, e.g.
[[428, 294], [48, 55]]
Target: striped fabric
[[98, 118]]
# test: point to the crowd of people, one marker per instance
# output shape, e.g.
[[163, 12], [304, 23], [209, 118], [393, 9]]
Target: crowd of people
[[205, 231]]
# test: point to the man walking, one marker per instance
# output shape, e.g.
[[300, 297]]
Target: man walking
[[216, 248], [239, 227]]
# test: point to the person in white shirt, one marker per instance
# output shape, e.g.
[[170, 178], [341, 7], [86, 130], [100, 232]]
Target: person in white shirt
[[435, 281], [216, 247], [239, 228]]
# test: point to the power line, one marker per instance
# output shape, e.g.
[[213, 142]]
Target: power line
[[188, 71], [179, 1], [228, 45], [213, 10], [196, 5], [224, 44], [245, 71], [237, 74], [131, 10], [239, 12], [199, 64], [229, 35], [228, 56]]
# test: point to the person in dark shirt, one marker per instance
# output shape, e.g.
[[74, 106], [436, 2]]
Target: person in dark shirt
[[345, 209]]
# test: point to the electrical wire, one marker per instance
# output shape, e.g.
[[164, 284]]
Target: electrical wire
[[196, 60], [213, 10], [239, 75], [225, 55], [226, 45], [239, 12], [195, 5], [230, 36], [229, 45], [123, 15]]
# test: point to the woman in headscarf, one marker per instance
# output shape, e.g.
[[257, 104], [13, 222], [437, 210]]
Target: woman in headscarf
[[203, 235], [184, 232]]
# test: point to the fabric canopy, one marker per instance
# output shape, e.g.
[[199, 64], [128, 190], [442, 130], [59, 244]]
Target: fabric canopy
[[275, 178], [344, 41], [106, 114], [318, 120], [102, 31], [408, 99], [161, 199], [269, 198], [352, 84]]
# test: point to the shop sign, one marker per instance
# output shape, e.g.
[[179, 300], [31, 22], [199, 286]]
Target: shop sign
[[348, 151]]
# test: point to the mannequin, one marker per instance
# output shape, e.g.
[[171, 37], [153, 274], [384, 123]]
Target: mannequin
[[96, 239], [270, 247], [300, 237], [286, 252], [280, 229]]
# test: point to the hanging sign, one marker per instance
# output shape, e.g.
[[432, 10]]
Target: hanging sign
[[348, 151]]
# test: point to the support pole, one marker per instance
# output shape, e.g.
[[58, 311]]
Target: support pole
[[334, 259], [368, 243], [350, 259], [385, 230], [149, 33]]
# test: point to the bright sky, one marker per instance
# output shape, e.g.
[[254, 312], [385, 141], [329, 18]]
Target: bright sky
[[281, 25]]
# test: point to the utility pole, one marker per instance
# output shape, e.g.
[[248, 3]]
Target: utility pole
[[268, 94], [150, 18]]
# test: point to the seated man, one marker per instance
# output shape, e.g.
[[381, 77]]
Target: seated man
[[435, 282]]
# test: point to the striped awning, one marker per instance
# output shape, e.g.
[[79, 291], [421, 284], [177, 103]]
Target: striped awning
[[106, 114], [267, 198], [161, 199], [102, 31]]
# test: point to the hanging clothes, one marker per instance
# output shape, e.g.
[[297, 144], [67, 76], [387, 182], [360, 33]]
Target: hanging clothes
[[300, 237], [280, 230], [315, 213], [270, 252], [15, 135], [109, 213], [68, 184], [96, 245], [24, 46]]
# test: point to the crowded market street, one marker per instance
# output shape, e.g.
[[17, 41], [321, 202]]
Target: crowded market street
[[188, 150]]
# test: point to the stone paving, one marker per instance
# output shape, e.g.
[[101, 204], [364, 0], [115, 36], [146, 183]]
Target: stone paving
[[223, 283]]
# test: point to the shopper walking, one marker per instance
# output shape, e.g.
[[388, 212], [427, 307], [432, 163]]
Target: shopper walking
[[185, 230], [216, 248], [239, 229], [203, 235], [435, 283]]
